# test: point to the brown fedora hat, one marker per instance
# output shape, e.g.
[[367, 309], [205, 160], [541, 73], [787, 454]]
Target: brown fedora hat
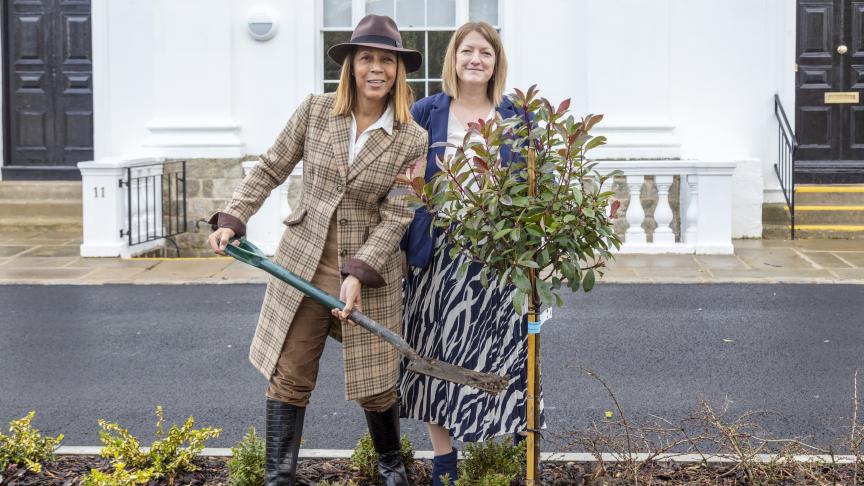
[[380, 32]]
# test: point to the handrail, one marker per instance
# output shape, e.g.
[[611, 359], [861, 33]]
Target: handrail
[[787, 146]]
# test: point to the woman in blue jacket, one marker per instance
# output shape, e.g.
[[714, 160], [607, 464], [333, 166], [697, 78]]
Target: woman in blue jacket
[[448, 318]]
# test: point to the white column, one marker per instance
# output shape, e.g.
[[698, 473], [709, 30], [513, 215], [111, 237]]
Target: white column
[[714, 232], [634, 237], [692, 213], [105, 208], [663, 234], [193, 76]]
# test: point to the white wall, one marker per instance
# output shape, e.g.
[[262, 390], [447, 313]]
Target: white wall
[[184, 79], [688, 78]]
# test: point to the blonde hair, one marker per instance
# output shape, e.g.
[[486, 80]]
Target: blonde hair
[[401, 95], [450, 81]]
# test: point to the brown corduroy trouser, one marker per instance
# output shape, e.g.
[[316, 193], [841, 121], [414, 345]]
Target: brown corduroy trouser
[[297, 369]]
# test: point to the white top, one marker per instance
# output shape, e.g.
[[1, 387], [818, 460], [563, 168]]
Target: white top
[[456, 134], [384, 122]]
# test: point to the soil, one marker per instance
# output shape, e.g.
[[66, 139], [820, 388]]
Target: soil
[[68, 471]]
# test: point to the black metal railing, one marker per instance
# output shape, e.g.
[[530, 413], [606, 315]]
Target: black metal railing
[[787, 145], [155, 203]]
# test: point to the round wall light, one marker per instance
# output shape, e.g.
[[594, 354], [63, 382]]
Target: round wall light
[[262, 26]]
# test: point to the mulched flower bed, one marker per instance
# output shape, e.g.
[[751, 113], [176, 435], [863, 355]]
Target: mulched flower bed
[[68, 470]]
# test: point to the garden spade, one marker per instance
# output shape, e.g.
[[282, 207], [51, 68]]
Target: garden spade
[[248, 253]]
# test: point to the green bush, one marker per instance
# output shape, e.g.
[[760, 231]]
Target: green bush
[[168, 455], [246, 467], [26, 446], [490, 463], [365, 459], [119, 477]]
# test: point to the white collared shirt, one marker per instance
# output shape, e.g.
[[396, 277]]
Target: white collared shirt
[[385, 122]]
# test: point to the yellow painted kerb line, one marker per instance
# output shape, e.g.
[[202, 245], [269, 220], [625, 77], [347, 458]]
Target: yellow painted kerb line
[[826, 208], [829, 227], [834, 189]]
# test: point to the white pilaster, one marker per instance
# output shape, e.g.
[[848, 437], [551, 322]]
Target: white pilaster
[[629, 79], [193, 81]]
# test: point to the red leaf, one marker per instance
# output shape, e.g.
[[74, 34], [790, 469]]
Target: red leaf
[[563, 106], [417, 184], [613, 211], [481, 164]]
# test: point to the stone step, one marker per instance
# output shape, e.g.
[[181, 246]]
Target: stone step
[[23, 210], [835, 194], [38, 190], [811, 231], [41, 224], [819, 214]]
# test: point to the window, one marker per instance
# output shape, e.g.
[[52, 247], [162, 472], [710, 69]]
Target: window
[[425, 25]]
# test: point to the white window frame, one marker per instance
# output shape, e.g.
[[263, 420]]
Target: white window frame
[[358, 11]]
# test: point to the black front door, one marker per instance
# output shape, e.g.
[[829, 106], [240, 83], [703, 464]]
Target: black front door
[[829, 120], [49, 101]]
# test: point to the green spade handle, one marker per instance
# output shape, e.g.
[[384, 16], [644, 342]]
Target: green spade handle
[[252, 255]]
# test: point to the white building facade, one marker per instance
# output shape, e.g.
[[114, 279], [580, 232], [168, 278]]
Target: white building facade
[[687, 82]]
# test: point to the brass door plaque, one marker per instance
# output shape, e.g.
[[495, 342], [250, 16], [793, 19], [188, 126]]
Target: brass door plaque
[[842, 97]]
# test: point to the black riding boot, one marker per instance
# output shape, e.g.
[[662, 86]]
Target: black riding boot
[[384, 429], [284, 428]]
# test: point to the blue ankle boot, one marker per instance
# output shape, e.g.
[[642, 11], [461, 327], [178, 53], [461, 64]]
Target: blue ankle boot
[[444, 464]]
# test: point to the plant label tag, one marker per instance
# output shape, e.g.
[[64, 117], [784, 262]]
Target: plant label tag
[[545, 315]]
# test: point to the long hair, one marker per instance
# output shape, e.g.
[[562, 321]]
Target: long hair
[[450, 81], [400, 95]]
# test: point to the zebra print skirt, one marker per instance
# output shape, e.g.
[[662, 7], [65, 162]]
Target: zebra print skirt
[[458, 321]]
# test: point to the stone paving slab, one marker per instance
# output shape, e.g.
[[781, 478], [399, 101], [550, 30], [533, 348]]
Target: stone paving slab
[[190, 271], [721, 262], [11, 250], [41, 275], [52, 257], [825, 260], [54, 251]]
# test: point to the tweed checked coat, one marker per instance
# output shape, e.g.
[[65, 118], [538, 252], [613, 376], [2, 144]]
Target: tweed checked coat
[[371, 212]]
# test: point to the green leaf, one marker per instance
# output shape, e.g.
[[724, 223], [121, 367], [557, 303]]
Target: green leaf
[[528, 264], [558, 300], [588, 281], [484, 277], [463, 270], [519, 301], [521, 280], [535, 230], [545, 292], [504, 232]]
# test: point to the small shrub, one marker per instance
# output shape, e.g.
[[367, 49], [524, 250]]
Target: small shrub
[[119, 477], [25, 446], [490, 463], [168, 455], [365, 459], [350, 482], [246, 466]]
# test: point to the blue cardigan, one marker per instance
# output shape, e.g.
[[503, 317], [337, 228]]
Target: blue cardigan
[[432, 113]]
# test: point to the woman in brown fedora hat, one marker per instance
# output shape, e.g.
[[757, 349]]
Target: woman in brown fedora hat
[[343, 237]]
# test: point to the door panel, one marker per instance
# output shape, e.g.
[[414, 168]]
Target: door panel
[[831, 136], [49, 103]]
